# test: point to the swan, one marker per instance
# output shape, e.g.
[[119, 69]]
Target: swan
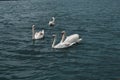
[[59, 45], [52, 23], [37, 35], [74, 38], [69, 41]]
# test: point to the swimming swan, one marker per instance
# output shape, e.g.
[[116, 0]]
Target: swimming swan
[[52, 23], [69, 41], [72, 38], [37, 35]]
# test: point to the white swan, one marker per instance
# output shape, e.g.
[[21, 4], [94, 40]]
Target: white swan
[[52, 23], [37, 35], [59, 45], [74, 38], [69, 41]]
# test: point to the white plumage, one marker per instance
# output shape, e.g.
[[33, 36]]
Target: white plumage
[[37, 35], [69, 41], [52, 23]]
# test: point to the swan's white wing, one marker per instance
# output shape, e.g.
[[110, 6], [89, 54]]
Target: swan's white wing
[[41, 34], [69, 41], [72, 38], [38, 35], [61, 45]]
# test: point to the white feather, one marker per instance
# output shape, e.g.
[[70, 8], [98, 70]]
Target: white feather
[[37, 35], [69, 41]]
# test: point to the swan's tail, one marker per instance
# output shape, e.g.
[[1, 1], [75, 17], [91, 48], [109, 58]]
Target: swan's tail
[[79, 40]]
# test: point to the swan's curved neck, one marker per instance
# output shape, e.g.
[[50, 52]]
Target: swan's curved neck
[[53, 19], [63, 38], [33, 33], [54, 40]]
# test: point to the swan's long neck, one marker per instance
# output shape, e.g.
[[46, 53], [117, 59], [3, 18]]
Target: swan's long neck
[[54, 40], [33, 33], [53, 19], [63, 38]]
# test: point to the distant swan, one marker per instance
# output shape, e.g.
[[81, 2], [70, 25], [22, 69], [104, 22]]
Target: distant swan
[[69, 41], [52, 23], [37, 35]]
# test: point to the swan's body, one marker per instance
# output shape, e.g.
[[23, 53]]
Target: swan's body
[[72, 38], [59, 45], [69, 41], [52, 23], [37, 35]]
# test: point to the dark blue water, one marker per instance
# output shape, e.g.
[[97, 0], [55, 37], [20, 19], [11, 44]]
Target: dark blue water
[[97, 57]]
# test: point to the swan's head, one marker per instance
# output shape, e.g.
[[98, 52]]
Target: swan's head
[[63, 32], [53, 35], [33, 26], [53, 17]]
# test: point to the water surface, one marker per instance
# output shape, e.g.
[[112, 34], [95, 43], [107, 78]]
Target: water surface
[[97, 57]]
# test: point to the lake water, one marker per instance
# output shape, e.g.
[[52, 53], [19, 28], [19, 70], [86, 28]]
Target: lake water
[[96, 57]]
